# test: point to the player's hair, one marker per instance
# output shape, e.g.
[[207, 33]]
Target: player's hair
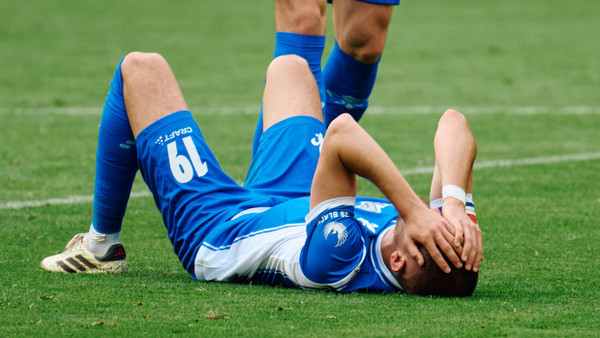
[[432, 281]]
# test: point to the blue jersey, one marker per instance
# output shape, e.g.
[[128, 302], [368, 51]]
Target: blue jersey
[[193, 193], [189, 187], [281, 245]]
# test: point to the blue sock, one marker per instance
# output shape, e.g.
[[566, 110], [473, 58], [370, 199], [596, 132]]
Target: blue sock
[[309, 47], [348, 84], [116, 161]]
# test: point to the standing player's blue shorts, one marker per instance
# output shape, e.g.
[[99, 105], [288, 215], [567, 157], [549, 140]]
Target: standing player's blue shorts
[[379, 2]]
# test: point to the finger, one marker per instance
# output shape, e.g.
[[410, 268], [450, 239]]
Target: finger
[[471, 228], [413, 251], [448, 250], [437, 257], [479, 256], [450, 228], [458, 236], [468, 248], [449, 237]]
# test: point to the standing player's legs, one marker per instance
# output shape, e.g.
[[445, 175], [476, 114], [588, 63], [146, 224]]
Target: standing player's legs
[[288, 150], [301, 26], [351, 68]]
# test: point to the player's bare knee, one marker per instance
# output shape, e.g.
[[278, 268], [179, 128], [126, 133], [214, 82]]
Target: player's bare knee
[[363, 36], [370, 54], [363, 47], [287, 63], [453, 118], [140, 61], [343, 124], [308, 20]]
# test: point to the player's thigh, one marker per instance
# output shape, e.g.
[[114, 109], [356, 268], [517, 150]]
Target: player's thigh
[[183, 174], [150, 89], [290, 90]]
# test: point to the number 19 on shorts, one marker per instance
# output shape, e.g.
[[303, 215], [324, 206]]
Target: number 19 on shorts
[[182, 166]]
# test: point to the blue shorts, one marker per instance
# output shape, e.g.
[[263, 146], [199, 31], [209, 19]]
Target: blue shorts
[[286, 157], [190, 189], [378, 2]]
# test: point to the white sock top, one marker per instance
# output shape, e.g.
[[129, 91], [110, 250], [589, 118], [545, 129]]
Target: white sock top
[[99, 242]]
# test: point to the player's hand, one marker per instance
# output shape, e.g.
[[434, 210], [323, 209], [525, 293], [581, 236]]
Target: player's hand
[[431, 230], [467, 233]]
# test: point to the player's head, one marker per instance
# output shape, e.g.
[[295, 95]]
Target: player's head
[[429, 279]]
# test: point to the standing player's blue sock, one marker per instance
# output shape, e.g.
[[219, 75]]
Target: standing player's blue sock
[[348, 85], [116, 166], [309, 47]]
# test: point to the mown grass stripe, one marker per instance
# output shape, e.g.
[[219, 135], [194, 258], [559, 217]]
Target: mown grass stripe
[[412, 171]]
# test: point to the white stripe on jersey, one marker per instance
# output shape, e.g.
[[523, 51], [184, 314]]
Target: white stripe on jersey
[[256, 210], [275, 249], [381, 263], [252, 234]]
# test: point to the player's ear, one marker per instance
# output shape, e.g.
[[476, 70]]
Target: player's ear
[[397, 261]]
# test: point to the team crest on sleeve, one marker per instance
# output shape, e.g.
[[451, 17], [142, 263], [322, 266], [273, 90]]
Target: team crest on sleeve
[[338, 229], [368, 225], [372, 206]]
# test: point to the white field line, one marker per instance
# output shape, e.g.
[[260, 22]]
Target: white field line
[[63, 201], [405, 172], [514, 163], [374, 110]]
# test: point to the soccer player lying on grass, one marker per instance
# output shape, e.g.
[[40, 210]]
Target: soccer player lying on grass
[[296, 221]]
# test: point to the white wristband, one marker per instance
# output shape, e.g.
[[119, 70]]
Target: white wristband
[[451, 190]]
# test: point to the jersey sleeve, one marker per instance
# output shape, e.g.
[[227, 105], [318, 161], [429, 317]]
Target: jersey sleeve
[[335, 247]]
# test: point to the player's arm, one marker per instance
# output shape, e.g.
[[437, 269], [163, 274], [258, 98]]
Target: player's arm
[[455, 151], [347, 151]]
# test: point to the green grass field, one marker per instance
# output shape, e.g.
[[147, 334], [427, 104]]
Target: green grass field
[[526, 74]]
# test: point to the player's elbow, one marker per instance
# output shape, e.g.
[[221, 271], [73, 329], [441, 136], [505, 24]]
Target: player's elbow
[[339, 133], [458, 125], [453, 117]]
